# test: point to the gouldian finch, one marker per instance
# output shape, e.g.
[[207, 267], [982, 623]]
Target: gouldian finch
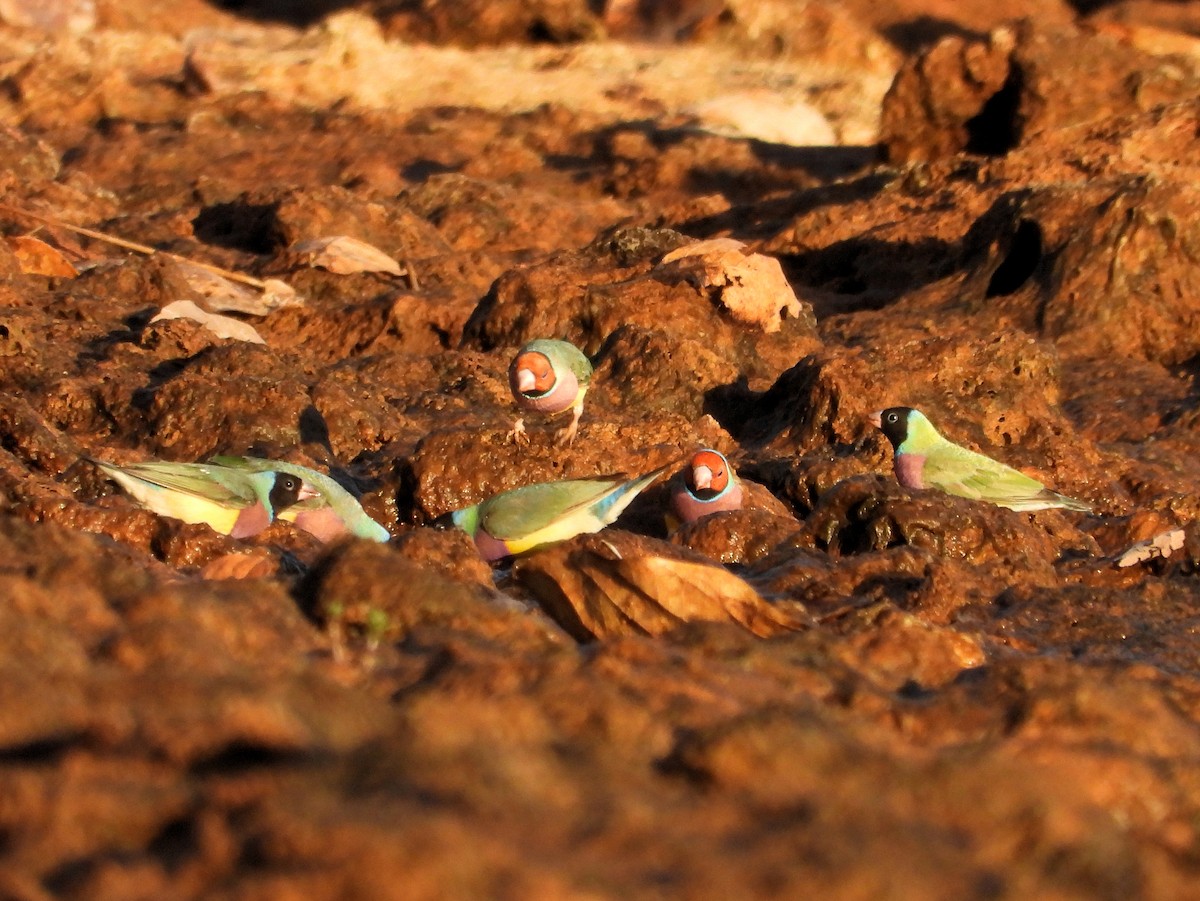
[[924, 459], [537, 515], [549, 377], [330, 512], [230, 501], [708, 485]]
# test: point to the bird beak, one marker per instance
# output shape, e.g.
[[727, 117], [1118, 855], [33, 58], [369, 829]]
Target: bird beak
[[702, 477], [307, 492], [526, 381], [877, 419]]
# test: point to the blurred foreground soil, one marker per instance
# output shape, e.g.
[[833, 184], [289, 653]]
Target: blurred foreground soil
[[987, 210]]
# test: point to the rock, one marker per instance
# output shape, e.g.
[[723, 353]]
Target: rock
[[990, 96], [736, 536], [588, 296], [380, 596], [480, 22]]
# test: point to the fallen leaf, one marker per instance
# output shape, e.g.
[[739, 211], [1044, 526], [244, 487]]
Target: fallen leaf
[[238, 566], [695, 591], [276, 294], [1161, 545], [751, 287], [345, 255], [221, 326], [715, 247], [221, 295], [36, 257], [620, 584]]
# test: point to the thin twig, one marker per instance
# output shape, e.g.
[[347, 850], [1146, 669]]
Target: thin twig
[[133, 245], [413, 284]]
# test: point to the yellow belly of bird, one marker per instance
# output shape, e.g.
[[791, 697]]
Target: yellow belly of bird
[[578, 524], [191, 509]]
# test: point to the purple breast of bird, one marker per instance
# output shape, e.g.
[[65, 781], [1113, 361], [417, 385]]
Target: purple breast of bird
[[910, 470]]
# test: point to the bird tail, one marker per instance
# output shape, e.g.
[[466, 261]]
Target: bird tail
[[1044, 500], [1070, 503], [622, 496]]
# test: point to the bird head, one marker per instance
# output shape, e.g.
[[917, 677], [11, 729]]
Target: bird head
[[531, 373], [466, 519], [288, 489], [894, 423], [707, 473]]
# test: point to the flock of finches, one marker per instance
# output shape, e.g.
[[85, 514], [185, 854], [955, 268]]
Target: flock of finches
[[240, 496]]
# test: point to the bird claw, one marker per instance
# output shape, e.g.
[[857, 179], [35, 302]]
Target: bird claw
[[567, 435], [518, 434]]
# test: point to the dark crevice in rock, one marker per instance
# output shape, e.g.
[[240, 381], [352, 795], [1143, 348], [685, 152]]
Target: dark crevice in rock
[[1020, 263], [240, 226], [996, 129]]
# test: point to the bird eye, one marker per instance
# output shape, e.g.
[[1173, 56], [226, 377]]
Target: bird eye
[[892, 417]]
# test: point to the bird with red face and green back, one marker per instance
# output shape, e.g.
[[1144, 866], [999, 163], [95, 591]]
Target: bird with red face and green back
[[549, 377], [924, 459], [707, 485]]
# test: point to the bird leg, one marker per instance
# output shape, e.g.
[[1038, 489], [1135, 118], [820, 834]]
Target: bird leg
[[518, 435], [567, 435]]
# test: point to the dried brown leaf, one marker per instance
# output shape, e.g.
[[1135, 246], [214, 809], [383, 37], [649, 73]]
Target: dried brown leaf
[[717, 249], [221, 326], [629, 598], [238, 566], [575, 602], [622, 584], [220, 295], [751, 287], [278, 294], [694, 591], [36, 257], [344, 255]]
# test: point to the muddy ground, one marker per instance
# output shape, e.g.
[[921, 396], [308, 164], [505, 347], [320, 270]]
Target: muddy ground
[[985, 209]]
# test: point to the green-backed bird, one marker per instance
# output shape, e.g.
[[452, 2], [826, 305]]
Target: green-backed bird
[[537, 515], [708, 485], [229, 501], [330, 512], [549, 377], [924, 459]]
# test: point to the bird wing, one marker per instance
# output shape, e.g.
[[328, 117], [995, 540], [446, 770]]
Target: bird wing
[[957, 470], [580, 365], [521, 513], [516, 514], [193, 479], [564, 353]]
